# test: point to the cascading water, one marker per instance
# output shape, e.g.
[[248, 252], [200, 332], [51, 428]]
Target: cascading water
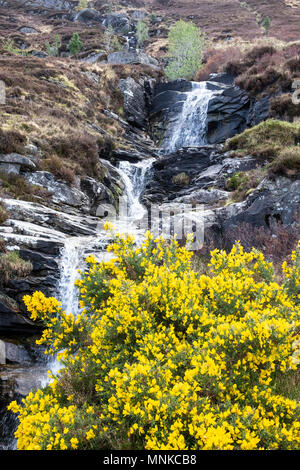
[[75, 249], [190, 128], [134, 177]]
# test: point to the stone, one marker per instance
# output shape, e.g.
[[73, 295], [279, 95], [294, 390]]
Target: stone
[[134, 102], [94, 57], [16, 353], [224, 78], [42, 216], [28, 30], [40, 262], [14, 163], [96, 192], [204, 196], [62, 193], [88, 15], [124, 57], [31, 150], [119, 22], [259, 111], [139, 14], [39, 54], [275, 200]]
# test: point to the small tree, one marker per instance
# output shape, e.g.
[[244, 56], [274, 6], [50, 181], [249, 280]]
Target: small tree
[[266, 24], [53, 49], [186, 43], [142, 32], [108, 38], [82, 5], [75, 45]]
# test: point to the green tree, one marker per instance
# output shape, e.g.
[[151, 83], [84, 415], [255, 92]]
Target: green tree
[[75, 45], [142, 32], [82, 5], [266, 24], [53, 49], [186, 43]]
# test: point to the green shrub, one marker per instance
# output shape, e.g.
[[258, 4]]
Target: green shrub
[[266, 139], [162, 357], [53, 49], [75, 44], [185, 50], [142, 32]]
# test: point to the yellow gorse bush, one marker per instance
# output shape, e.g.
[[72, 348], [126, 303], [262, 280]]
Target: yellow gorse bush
[[162, 357]]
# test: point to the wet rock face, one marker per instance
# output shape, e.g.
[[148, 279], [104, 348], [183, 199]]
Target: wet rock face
[[38, 233], [227, 113], [134, 102], [275, 200], [230, 110], [165, 184], [199, 176]]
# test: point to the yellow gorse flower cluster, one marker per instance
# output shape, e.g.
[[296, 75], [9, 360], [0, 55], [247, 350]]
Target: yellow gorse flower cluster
[[162, 357]]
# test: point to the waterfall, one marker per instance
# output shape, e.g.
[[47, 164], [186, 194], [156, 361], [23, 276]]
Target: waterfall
[[134, 177], [76, 248], [189, 129], [71, 260]]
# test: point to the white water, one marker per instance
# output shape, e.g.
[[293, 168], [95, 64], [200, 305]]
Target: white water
[[189, 130], [77, 248], [134, 177]]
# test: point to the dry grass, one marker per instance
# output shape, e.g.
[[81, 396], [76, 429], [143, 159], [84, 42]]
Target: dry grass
[[17, 186], [12, 267], [57, 107]]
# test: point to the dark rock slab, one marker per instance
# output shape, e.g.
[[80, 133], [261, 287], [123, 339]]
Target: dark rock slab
[[119, 22], [88, 15]]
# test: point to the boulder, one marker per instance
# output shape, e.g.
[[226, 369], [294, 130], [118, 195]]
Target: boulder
[[39, 54], [275, 200], [192, 162], [45, 217], [119, 22], [96, 192], [88, 15], [62, 193], [259, 111], [224, 78], [94, 57], [14, 163], [139, 14], [28, 30], [204, 196], [40, 262], [15, 353], [123, 57]]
